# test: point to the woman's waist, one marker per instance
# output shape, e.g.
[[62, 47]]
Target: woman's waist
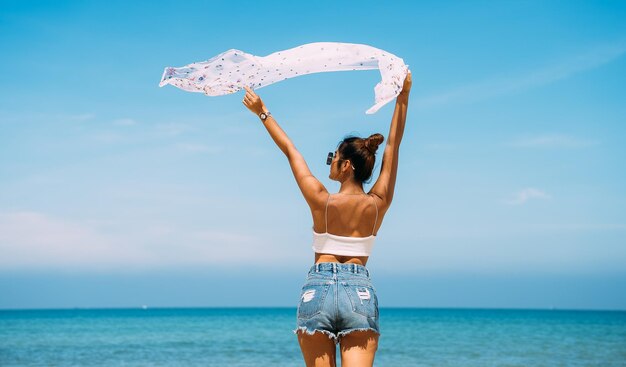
[[344, 259], [346, 269]]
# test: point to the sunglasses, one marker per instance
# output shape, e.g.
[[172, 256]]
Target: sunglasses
[[329, 159]]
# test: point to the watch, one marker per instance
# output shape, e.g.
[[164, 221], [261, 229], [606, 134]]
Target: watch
[[265, 115]]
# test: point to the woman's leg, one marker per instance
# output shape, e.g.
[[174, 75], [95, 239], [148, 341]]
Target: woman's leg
[[318, 349], [358, 348]]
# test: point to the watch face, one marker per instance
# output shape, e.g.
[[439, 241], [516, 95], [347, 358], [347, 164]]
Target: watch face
[[263, 116]]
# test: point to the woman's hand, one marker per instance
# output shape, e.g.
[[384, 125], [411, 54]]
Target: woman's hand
[[406, 88], [253, 102]]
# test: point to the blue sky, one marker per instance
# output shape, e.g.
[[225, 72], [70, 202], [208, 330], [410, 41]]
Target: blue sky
[[114, 192]]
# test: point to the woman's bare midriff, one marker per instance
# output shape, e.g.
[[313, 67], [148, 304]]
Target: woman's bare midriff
[[328, 258]]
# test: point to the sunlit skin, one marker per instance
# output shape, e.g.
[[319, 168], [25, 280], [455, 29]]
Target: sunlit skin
[[357, 348], [341, 170]]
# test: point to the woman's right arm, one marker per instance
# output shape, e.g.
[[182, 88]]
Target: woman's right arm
[[386, 182], [313, 190]]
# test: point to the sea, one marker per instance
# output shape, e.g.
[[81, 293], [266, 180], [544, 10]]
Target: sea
[[263, 337]]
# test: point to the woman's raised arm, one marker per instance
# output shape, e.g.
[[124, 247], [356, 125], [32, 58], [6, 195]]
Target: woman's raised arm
[[386, 182], [313, 190]]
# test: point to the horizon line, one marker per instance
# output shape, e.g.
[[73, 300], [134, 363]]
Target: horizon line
[[145, 308]]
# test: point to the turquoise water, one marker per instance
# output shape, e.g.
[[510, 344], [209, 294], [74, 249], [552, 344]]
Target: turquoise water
[[263, 337]]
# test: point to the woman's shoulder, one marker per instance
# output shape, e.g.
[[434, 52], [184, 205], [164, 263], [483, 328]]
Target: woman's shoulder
[[380, 202], [319, 200]]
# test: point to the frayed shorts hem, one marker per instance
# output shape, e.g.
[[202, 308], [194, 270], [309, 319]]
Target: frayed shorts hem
[[335, 337]]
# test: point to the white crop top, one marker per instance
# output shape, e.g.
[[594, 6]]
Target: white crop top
[[327, 243]]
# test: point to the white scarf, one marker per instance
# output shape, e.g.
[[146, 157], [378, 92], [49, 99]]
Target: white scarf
[[230, 71]]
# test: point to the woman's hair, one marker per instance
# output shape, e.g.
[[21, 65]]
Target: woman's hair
[[361, 153]]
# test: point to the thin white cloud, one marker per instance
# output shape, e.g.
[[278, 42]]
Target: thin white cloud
[[580, 227], [32, 239], [588, 60], [109, 137], [552, 141], [524, 195], [46, 117], [173, 128], [80, 117], [199, 148], [439, 146], [125, 122]]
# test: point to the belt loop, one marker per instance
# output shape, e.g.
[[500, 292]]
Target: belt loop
[[317, 268], [354, 269], [334, 268]]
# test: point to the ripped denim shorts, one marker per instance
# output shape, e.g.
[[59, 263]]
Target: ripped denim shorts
[[336, 299]]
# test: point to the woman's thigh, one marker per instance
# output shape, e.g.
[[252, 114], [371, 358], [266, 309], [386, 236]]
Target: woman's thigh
[[358, 348], [318, 349]]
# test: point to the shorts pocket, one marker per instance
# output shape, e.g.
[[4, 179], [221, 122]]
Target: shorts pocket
[[312, 299], [363, 299]]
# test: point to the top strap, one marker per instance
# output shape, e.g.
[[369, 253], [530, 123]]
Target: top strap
[[375, 220]]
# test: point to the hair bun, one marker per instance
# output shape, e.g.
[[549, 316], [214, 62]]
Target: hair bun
[[373, 141]]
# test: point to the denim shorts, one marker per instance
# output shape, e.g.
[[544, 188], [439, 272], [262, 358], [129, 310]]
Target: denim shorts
[[336, 299]]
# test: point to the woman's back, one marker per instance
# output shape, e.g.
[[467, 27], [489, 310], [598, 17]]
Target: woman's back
[[349, 215], [345, 230]]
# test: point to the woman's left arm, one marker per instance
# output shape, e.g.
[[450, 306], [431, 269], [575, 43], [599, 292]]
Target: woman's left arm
[[313, 190]]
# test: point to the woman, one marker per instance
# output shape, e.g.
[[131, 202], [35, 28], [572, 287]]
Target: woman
[[338, 303]]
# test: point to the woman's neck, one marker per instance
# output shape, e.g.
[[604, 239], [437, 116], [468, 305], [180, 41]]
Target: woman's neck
[[350, 187]]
